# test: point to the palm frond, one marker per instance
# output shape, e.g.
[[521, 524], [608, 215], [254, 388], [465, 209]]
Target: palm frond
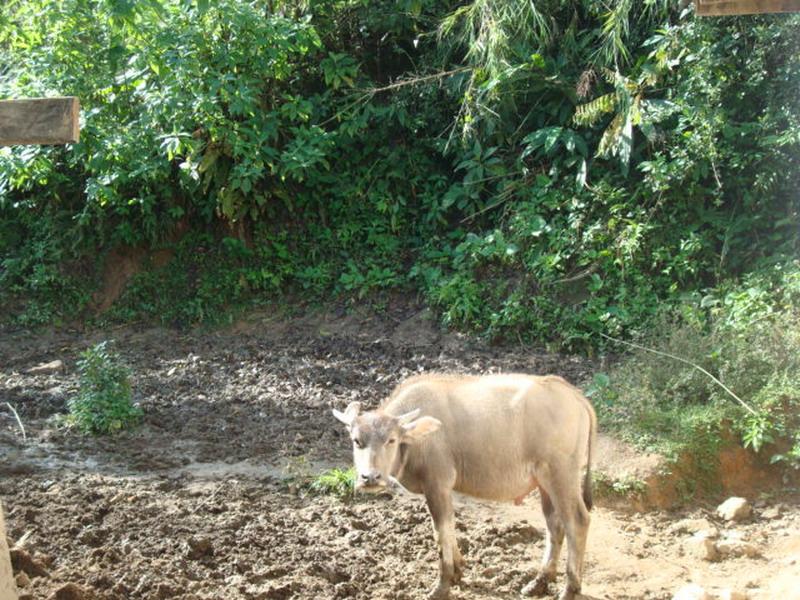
[[611, 135], [588, 114]]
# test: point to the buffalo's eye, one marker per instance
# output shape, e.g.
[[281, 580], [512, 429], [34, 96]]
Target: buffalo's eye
[[358, 443], [390, 441]]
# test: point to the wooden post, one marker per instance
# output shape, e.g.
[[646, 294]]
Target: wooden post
[[8, 589], [34, 121], [715, 8], [39, 121]]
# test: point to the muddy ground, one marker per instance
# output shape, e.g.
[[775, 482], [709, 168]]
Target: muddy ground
[[199, 502]]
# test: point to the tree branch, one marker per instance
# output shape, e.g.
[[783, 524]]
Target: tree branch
[[686, 362]]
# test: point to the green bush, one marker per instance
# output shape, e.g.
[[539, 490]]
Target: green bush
[[748, 336], [103, 404]]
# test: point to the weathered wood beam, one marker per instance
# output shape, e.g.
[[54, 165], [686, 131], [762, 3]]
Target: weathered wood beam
[[716, 8], [8, 589], [39, 121]]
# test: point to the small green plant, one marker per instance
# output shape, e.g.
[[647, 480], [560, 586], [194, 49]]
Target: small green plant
[[335, 482], [103, 404], [624, 487]]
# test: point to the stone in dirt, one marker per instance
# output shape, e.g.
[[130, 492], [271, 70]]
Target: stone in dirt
[[280, 592], [692, 526], [23, 580], [22, 561], [200, 547], [697, 527], [691, 592], [54, 366], [771, 512], [734, 546], [735, 509], [701, 546], [69, 591]]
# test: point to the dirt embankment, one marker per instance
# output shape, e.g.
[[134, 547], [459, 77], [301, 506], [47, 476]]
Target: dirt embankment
[[195, 503]]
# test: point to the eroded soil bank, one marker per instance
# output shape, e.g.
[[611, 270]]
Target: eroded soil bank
[[196, 502]]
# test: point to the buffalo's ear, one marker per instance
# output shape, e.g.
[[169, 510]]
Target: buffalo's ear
[[422, 427], [349, 415]]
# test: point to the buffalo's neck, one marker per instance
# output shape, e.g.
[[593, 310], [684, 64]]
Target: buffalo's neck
[[399, 465], [408, 469]]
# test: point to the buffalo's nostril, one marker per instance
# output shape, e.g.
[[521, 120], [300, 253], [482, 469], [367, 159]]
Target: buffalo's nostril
[[370, 478]]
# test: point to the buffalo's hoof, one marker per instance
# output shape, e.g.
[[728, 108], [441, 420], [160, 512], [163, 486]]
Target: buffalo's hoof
[[569, 594], [458, 572], [441, 592], [537, 587]]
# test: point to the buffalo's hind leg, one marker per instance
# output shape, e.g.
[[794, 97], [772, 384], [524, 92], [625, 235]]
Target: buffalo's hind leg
[[562, 486], [555, 539], [576, 522], [559, 483], [458, 564], [440, 505]]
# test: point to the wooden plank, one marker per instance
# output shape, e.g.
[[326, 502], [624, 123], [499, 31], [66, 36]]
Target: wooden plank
[[715, 8], [39, 121], [8, 589]]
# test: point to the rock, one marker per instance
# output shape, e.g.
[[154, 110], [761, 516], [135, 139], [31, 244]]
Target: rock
[[22, 561], [200, 547], [55, 366], [730, 595], [771, 512], [22, 580], [491, 571], [165, 591], [701, 546], [735, 546], [69, 591], [691, 592], [358, 525], [279, 591], [734, 509], [693, 526]]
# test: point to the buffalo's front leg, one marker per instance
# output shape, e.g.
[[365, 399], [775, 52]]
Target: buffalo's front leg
[[440, 505]]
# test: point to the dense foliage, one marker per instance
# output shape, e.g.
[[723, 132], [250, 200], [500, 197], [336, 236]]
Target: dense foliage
[[555, 169]]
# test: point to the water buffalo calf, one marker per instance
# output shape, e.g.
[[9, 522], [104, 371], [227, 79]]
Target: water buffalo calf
[[496, 437]]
